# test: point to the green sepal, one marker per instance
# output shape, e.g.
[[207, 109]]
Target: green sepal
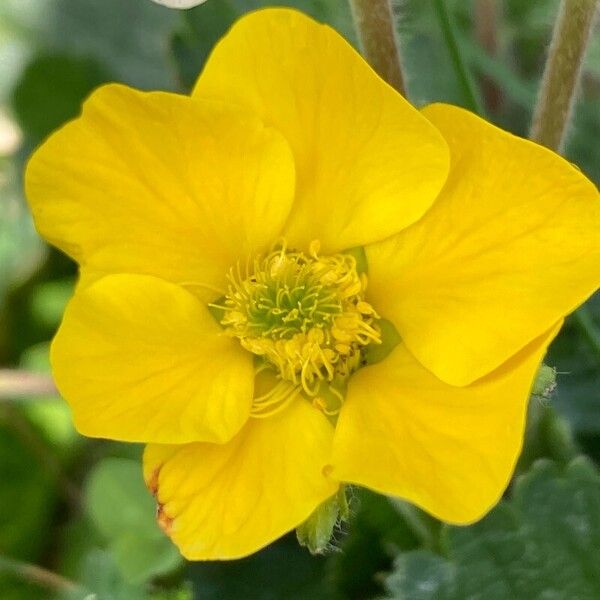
[[545, 381], [343, 504], [317, 531]]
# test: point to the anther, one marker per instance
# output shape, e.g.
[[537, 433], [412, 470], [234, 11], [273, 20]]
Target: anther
[[305, 315]]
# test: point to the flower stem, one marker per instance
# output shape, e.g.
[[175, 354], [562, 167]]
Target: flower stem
[[487, 16], [465, 81], [374, 22], [557, 95], [37, 575], [22, 384], [559, 86]]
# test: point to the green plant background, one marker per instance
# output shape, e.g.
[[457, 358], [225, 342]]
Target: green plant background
[[78, 507]]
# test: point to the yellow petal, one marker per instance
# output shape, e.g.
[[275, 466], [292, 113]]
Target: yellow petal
[[511, 246], [227, 501], [142, 360], [367, 163], [450, 450], [158, 184]]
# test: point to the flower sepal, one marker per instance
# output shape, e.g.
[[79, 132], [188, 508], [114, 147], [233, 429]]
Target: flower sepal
[[316, 532], [545, 381]]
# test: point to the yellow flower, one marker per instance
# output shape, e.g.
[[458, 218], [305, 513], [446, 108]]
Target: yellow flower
[[221, 319]]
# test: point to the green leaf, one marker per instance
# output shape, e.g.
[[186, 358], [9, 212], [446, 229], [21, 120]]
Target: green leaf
[[124, 514], [204, 25], [421, 575], [281, 570], [578, 370], [520, 91], [117, 499], [547, 435], [427, 64], [27, 497], [183, 593], [375, 534], [541, 544], [143, 556], [127, 37], [21, 250], [102, 580], [202, 28], [82, 537], [50, 415], [48, 301], [63, 81], [14, 588], [470, 93]]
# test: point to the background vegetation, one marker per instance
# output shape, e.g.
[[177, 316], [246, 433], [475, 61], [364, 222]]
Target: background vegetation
[[77, 508]]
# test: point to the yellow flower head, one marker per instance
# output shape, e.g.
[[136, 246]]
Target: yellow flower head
[[293, 279]]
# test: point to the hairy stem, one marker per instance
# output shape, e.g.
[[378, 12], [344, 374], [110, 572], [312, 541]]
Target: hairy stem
[[487, 14], [557, 95], [16, 384], [560, 81], [374, 22], [37, 575]]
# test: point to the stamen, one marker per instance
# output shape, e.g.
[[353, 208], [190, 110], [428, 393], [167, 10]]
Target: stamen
[[306, 317], [274, 401]]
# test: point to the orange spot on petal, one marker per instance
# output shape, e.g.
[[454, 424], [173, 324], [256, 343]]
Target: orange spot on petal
[[152, 482], [327, 470], [164, 521]]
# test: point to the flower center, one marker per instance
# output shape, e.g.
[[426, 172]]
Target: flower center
[[305, 316]]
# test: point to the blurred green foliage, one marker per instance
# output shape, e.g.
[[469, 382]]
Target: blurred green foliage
[[542, 543], [79, 507], [119, 505]]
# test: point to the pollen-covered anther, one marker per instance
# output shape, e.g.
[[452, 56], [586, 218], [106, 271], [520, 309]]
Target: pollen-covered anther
[[304, 314]]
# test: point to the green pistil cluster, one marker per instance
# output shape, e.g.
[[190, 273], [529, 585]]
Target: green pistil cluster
[[304, 314], [284, 296]]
